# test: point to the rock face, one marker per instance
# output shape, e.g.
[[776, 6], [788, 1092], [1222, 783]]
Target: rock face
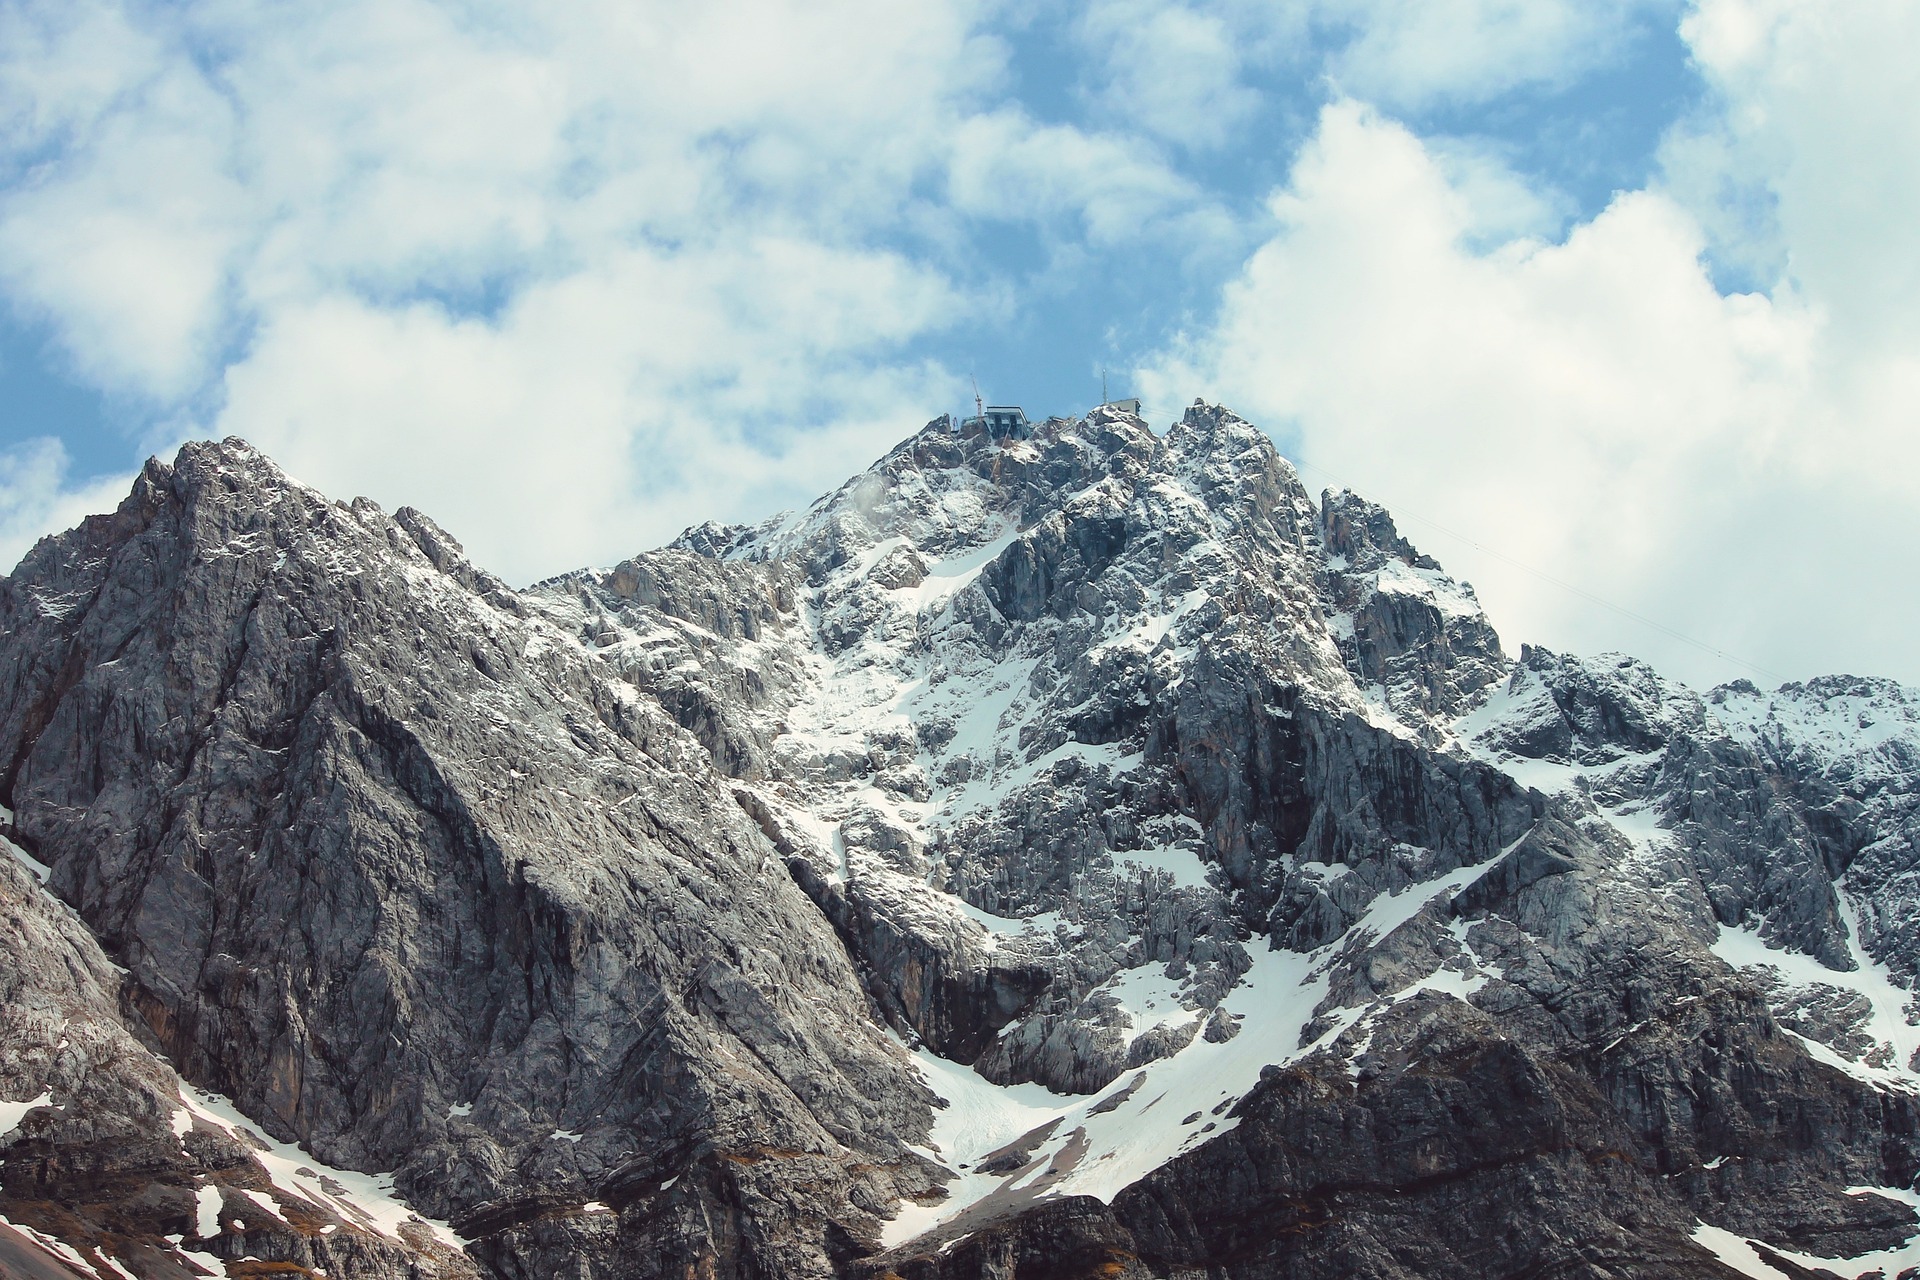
[[1074, 854], [401, 870], [1417, 637], [108, 1156]]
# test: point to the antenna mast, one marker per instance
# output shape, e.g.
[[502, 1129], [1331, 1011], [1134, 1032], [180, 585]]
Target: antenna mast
[[979, 405], [1103, 385]]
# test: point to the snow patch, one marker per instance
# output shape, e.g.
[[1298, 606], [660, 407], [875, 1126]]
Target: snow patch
[[945, 578], [55, 1246], [367, 1200], [36, 868], [266, 1203], [1431, 585], [1182, 865], [998, 928], [1739, 1253], [1888, 1001], [12, 1113], [1734, 1251], [1148, 997], [1098, 1147], [1147, 633], [207, 1204]]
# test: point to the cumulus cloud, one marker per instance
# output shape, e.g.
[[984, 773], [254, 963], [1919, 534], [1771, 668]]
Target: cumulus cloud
[[1805, 147], [1407, 54], [1195, 72], [125, 247], [38, 492], [1592, 406], [1174, 71], [1006, 166], [570, 277], [561, 275], [603, 410]]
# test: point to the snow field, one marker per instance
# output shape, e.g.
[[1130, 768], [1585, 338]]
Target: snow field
[[1739, 1253], [365, 1200], [1097, 1147]]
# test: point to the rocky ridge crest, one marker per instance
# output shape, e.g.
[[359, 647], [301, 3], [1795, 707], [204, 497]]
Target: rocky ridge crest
[[1083, 853]]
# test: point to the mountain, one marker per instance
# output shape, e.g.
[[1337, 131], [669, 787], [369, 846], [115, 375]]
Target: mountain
[[1066, 853]]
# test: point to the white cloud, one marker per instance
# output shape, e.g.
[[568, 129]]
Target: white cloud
[[601, 411], [39, 493], [1808, 149], [1195, 72], [1173, 70], [568, 277], [1006, 166], [1502, 204], [1412, 53], [1805, 161], [1593, 407], [127, 247], [534, 270]]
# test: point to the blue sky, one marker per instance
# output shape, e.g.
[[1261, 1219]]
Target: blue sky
[[1616, 296], [1578, 134]]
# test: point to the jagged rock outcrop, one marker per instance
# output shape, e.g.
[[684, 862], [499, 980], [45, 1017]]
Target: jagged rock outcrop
[[1416, 637], [404, 872], [1150, 610], [1463, 1153], [1073, 853], [106, 1160], [1847, 750]]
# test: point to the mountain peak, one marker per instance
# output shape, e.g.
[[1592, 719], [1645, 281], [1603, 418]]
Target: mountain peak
[[1019, 846]]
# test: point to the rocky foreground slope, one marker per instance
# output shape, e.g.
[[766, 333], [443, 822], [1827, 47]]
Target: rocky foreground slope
[[1081, 854]]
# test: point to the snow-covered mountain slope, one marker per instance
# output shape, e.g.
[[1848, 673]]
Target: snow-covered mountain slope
[[1787, 818], [1129, 771], [975, 671], [1849, 749], [1075, 853]]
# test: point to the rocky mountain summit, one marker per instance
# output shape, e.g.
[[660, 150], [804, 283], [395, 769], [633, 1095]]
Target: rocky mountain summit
[[1071, 853]]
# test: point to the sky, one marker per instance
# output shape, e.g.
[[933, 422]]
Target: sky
[[1615, 305]]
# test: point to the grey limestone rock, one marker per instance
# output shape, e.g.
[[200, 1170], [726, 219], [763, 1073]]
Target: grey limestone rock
[[420, 884], [1072, 853], [1403, 625], [102, 1158]]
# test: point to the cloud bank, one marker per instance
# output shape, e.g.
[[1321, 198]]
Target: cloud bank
[[1737, 465], [571, 274], [571, 279]]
